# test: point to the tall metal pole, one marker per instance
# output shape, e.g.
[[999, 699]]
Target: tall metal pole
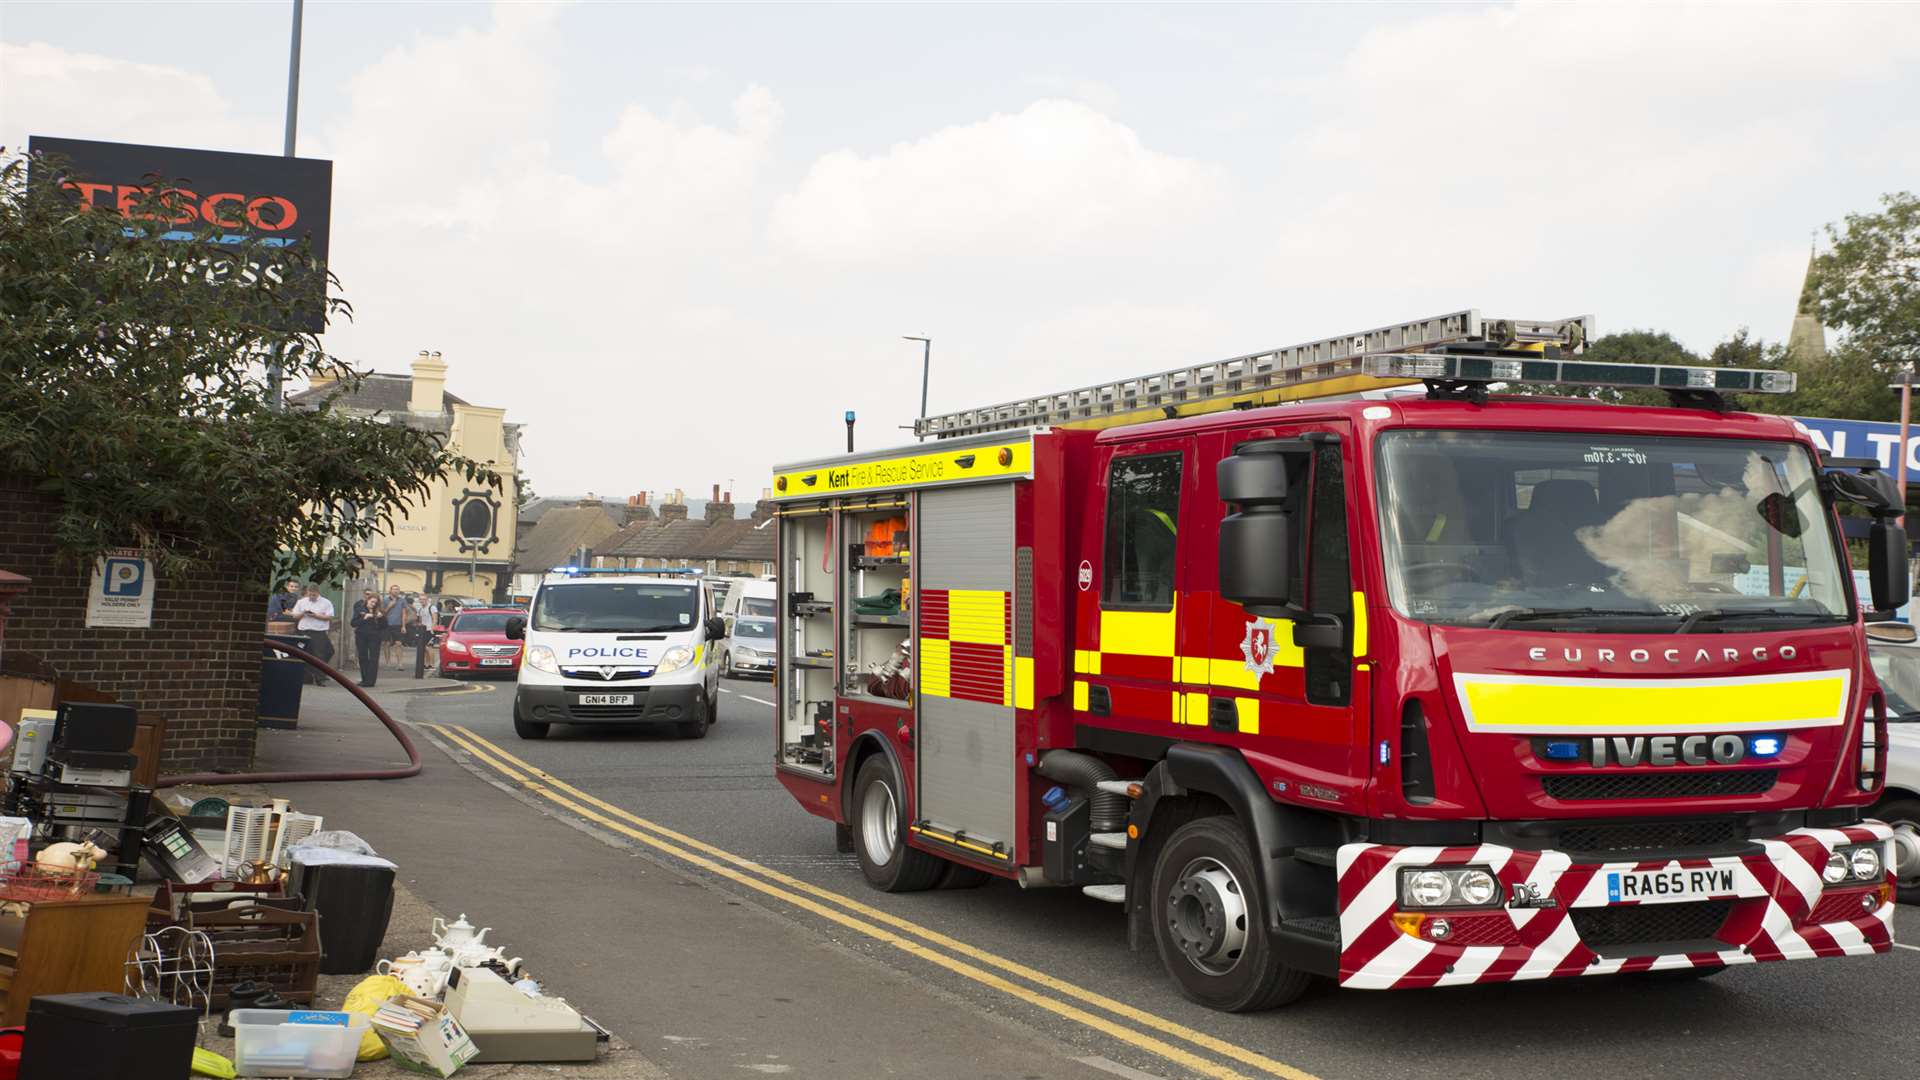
[[926, 368], [1906, 414], [276, 374]]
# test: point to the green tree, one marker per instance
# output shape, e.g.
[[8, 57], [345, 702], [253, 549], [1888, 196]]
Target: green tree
[[1868, 283], [133, 389]]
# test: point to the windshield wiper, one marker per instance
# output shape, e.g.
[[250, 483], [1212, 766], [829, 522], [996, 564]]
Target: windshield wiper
[[1718, 614], [1520, 613]]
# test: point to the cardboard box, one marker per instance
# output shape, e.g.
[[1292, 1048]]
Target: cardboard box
[[423, 1036]]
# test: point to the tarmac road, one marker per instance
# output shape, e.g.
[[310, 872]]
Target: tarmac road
[[1042, 977]]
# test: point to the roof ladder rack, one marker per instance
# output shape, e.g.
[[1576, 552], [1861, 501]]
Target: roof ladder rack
[[1287, 373]]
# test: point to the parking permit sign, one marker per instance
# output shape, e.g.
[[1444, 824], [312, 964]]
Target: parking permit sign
[[122, 591]]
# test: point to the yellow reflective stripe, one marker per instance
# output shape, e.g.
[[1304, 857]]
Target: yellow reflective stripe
[[936, 667], [907, 471], [1190, 709], [1023, 682], [947, 838], [1234, 673], [1523, 704], [1165, 520], [977, 616], [696, 654], [1359, 623], [1079, 696], [1140, 633], [1438, 527], [1006, 676], [1193, 669], [1249, 710]]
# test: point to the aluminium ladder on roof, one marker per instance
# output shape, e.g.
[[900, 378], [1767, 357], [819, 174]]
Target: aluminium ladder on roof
[[1255, 373]]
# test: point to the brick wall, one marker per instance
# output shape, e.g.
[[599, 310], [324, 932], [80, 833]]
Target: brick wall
[[199, 666]]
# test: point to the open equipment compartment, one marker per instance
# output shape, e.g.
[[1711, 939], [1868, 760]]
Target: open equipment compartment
[[805, 679], [877, 621]]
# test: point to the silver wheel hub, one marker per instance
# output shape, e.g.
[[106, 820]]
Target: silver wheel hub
[[1906, 852], [879, 824], [1207, 916]]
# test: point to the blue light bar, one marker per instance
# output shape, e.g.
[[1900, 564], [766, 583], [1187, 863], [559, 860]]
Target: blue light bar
[[630, 571], [1562, 751], [1483, 369], [1764, 745]]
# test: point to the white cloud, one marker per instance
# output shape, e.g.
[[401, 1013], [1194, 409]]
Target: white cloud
[[48, 90], [1058, 177]]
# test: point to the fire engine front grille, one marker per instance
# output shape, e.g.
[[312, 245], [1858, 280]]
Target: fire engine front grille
[[1648, 836], [1649, 923], [1839, 907], [1581, 787]]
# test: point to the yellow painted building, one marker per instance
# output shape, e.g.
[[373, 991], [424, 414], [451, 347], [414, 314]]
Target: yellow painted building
[[459, 539]]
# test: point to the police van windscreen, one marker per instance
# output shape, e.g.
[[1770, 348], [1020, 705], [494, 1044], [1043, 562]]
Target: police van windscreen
[[1628, 533], [611, 606]]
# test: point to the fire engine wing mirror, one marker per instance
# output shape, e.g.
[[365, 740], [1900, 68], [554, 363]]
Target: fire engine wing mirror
[[1323, 632], [1256, 562], [1887, 565], [516, 629], [1871, 489]]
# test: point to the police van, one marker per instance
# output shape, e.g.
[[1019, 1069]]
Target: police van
[[618, 647]]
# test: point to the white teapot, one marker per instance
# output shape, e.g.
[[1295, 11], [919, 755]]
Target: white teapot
[[456, 935]]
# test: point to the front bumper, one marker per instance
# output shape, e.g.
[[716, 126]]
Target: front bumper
[[559, 703], [454, 664], [1776, 910], [759, 665]]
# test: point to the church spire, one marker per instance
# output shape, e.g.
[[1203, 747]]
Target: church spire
[[1808, 339]]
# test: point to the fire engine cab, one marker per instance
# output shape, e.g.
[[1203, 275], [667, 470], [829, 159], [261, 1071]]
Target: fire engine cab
[[1317, 674]]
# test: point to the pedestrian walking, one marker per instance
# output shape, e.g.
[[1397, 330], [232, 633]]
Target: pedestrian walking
[[369, 633], [315, 614], [395, 610]]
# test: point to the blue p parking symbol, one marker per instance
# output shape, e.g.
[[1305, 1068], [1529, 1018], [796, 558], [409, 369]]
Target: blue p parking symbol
[[125, 577]]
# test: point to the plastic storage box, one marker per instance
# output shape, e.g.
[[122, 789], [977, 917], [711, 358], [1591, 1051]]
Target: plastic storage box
[[296, 1042], [354, 896], [107, 1037]]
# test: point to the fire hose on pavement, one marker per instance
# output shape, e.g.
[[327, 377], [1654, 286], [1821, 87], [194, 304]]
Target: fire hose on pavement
[[400, 735]]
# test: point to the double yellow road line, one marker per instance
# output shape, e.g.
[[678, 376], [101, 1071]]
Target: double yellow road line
[[967, 961]]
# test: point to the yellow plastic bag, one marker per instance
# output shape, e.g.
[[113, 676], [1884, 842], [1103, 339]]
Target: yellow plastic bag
[[208, 1063], [366, 997]]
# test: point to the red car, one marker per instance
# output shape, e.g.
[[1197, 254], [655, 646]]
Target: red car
[[476, 643]]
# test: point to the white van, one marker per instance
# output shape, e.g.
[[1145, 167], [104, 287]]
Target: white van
[[618, 647], [750, 596]]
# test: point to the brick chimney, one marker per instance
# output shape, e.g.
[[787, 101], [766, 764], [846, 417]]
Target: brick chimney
[[763, 510], [719, 510], [674, 511], [429, 384]]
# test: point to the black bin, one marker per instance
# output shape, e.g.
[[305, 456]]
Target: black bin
[[281, 677], [354, 896], [107, 1037]]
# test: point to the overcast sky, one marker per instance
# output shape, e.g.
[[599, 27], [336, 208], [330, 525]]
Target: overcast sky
[[678, 242]]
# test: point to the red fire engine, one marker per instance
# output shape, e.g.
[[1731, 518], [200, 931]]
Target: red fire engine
[[1318, 675]]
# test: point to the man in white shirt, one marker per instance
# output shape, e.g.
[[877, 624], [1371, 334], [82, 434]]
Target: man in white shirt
[[315, 615]]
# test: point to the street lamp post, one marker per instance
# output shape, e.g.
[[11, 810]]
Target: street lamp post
[[276, 370], [926, 368]]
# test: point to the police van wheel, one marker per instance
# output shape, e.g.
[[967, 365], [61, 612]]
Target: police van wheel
[[696, 728], [528, 729], [1207, 921], [880, 833]]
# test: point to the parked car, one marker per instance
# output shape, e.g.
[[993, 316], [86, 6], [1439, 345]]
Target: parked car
[[476, 643], [749, 647], [1897, 664]]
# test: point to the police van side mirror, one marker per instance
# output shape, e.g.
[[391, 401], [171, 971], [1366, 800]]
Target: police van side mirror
[[716, 628], [1255, 560], [1887, 565], [516, 629]]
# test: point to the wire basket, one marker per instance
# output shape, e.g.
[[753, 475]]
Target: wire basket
[[29, 882]]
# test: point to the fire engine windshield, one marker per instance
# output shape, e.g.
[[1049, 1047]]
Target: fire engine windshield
[[1623, 533]]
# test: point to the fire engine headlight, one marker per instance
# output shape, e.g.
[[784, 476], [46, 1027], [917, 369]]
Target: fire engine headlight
[[1866, 862], [1453, 886], [674, 659], [541, 658], [1838, 867]]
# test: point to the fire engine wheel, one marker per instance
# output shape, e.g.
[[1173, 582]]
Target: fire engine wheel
[[527, 729], [1207, 921], [1904, 816], [880, 833]]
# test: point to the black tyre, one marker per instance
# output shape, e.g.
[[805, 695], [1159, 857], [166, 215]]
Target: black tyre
[[1904, 816], [1681, 975], [879, 822], [1209, 922], [956, 876], [528, 729], [696, 728]]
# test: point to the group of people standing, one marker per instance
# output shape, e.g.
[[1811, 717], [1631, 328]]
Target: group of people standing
[[381, 624]]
